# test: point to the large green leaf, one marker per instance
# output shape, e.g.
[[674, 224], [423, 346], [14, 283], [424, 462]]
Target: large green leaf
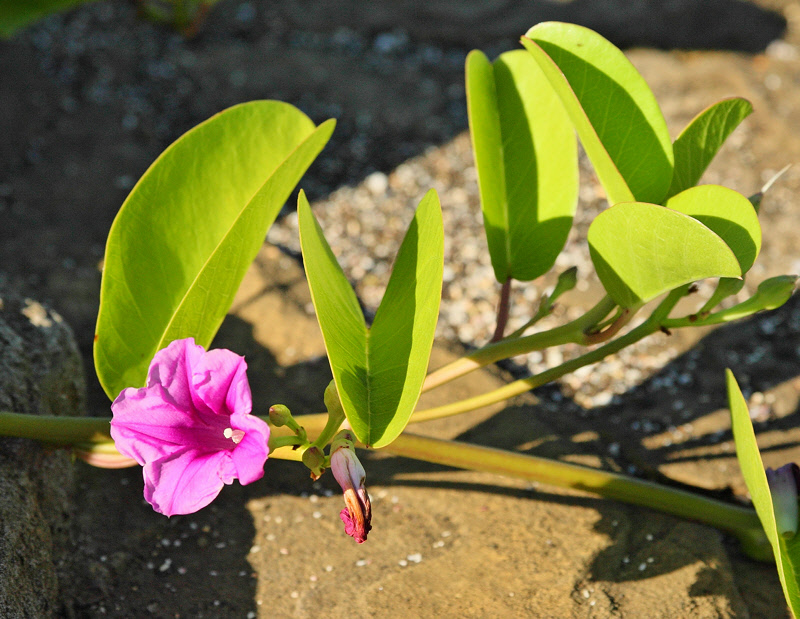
[[527, 161], [726, 212], [641, 250], [612, 108], [786, 551], [379, 371], [187, 232], [699, 142]]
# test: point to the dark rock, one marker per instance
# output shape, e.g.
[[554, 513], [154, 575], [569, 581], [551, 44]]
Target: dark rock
[[40, 373]]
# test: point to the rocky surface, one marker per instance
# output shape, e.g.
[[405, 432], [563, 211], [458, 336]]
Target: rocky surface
[[91, 97], [40, 373]]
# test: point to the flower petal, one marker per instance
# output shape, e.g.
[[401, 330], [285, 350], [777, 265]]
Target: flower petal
[[143, 424], [169, 369], [251, 453], [186, 481], [219, 383]]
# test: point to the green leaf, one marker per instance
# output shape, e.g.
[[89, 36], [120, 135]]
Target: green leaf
[[726, 212], [183, 239], [612, 108], [699, 142], [16, 14], [379, 371], [527, 161], [641, 250], [787, 552]]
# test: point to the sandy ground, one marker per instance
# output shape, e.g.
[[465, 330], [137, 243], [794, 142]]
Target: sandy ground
[[89, 99]]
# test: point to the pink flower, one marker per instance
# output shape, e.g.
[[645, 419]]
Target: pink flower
[[349, 472], [190, 427]]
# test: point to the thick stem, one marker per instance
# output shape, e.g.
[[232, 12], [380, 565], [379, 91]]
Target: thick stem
[[740, 521], [572, 332], [56, 430], [502, 311]]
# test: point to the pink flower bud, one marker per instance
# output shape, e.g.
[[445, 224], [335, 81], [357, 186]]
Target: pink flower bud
[[101, 457], [350, 474], [783, 486]]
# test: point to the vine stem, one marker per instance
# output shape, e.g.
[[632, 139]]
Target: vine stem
[[740, 521], [648, 327], [572, 332]]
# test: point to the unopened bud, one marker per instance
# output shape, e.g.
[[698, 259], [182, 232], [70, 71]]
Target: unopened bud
[[350, 474], [775, 291], [783, 486], [279, 415], [314, 459], [103, 456], [566, 281], [332, 401]]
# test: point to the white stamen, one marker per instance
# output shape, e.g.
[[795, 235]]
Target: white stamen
[[235, 435]]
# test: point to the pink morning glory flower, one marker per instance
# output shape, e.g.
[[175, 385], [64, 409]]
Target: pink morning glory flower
[[348, 471], [191, 427]]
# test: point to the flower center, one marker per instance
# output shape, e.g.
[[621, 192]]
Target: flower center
[[235, 435]]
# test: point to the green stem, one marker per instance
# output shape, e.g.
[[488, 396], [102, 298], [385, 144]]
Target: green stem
[[328, 432], [545, 308], [55, 430], [571, 332], [740, 521], [526, 384], [336, 417], [649, 326], [276, 442]]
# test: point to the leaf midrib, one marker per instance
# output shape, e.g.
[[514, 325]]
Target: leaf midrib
[[213, 253]]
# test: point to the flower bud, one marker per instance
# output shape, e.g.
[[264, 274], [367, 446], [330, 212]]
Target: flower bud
[[279, 415], [566, 282], [332, 401], [783, 486], [314, 459], [103, 456], [351, 476]]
